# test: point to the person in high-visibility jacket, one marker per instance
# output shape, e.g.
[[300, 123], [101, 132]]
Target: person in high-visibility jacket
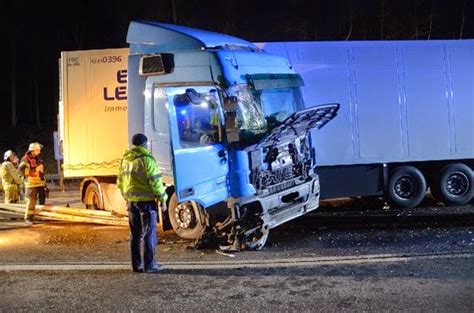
[[11, 179], [215, 120], [141, 184], [32, 169]]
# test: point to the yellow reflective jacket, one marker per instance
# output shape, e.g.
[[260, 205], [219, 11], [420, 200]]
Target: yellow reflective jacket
[[10, 176], [139, 177], [27, 168]]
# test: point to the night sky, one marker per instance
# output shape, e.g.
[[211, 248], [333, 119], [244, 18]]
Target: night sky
[[33, 34]]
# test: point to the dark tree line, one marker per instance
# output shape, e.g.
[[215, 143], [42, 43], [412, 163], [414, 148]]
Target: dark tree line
[[36, 32]]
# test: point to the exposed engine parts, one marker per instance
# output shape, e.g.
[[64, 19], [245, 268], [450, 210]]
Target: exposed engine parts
[[287, 163], [278, 173]]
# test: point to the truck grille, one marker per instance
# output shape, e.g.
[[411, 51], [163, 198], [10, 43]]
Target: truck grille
[[287, 210], [282, 186]]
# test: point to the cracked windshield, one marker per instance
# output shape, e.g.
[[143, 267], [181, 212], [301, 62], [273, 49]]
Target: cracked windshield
[[265, 103]]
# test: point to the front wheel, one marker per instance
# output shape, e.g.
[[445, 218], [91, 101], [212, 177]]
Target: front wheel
[[188, 218], [406, 187], [258, 239]]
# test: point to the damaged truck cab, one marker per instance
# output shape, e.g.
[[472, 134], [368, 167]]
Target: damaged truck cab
[[229, 129]]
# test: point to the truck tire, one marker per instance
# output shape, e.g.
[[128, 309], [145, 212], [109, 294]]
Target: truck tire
[[187, 218], [406, 187], [93, 197], [455, 184]]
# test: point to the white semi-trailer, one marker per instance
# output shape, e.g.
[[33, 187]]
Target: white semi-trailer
[[92, 123], [406, 121]]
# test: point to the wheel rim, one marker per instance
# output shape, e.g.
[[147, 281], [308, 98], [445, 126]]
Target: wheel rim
[[258, 240], [92, 200], [457, 184], [405, 187], [185, 215]]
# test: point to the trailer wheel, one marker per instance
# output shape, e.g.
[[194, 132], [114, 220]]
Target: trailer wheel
[[406, 187], [455, 185], [93, 197], [188, 218]]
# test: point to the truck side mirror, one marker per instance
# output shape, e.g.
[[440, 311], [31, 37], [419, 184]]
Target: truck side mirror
[[230, 119]]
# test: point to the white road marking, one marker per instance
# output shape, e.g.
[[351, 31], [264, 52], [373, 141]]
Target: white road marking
[[240, 264]]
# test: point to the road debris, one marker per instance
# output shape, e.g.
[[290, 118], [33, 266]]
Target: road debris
[[58, 213], [226, 254]]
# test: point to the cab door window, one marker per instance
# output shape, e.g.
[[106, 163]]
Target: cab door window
[[198, 118]]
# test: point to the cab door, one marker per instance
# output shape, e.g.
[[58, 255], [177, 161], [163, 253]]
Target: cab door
[[200, 161], [156, 124]]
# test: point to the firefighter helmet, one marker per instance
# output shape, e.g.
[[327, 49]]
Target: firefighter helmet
[[7, 154], [35, 146]]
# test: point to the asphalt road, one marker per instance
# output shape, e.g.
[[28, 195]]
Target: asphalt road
[[310, 264]]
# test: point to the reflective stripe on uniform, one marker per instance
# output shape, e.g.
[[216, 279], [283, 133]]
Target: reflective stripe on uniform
[[134, 194], [133, 174], [139, 177], [156, 177]]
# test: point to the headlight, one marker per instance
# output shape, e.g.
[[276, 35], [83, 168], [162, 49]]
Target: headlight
[[316, 186]]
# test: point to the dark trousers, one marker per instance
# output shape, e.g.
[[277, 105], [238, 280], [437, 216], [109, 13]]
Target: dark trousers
[[142, 218], [41, 195]]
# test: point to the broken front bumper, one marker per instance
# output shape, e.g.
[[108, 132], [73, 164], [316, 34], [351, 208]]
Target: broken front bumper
[[288, 204]]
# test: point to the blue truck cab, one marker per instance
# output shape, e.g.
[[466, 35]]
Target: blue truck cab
[[229, 129]]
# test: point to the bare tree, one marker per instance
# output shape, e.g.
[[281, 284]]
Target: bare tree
[[124, 13], [175, 11], [79, 35], [382, 20], [431, 25], [315, 31], [298, 29], [423, 21], [417, 31], [314, 20], [14, 117], [229, 25], [35, 79], [463, 19], [351, 22]]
